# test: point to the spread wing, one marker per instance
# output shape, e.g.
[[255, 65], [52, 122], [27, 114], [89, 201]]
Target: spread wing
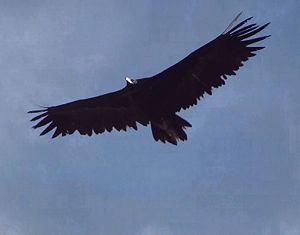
[[95, 114], [181, 85]]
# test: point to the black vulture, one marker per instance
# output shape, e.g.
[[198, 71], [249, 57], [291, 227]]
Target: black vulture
[[156, 100]]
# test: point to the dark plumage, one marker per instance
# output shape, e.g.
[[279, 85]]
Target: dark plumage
[[156, 99]]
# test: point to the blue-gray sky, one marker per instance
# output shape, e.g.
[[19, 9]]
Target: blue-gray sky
[[237, 174]]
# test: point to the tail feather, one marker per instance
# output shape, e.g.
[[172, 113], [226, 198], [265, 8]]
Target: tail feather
[[169, 129]]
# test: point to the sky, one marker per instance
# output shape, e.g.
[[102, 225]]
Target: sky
[[239, 171]]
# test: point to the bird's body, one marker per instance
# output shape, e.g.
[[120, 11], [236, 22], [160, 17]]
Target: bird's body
[[156, 100]]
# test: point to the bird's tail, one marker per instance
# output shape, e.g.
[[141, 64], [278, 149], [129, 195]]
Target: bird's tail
[[169, 129]]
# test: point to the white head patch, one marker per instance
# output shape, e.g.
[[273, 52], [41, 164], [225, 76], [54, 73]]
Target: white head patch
[[129, 80]]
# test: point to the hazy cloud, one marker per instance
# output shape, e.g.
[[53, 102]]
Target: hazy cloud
[[154, 230]]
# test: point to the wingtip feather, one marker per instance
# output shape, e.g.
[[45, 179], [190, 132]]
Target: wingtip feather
[[228, 30], [37, 111], [56, 133]]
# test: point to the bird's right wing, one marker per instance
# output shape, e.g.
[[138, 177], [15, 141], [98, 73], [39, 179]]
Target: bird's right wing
[[95, 114], [182, 84]]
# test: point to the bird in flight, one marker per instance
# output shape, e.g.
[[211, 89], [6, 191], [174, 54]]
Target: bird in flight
[[156, 100]]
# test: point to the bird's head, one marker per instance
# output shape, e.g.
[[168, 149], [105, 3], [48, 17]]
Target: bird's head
[[130, 81]]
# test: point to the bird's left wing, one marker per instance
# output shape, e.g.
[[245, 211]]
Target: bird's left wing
[[97, 114], [181, 85]]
